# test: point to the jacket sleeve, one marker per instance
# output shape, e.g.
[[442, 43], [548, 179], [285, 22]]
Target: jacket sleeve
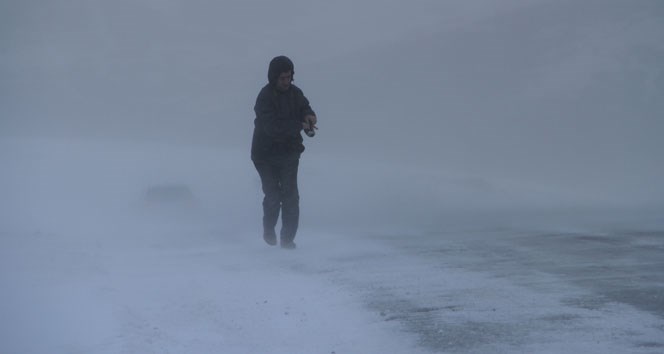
[[269, 120], [305, 107]]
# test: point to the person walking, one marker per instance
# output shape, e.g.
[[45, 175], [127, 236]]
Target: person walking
[[282, 112]]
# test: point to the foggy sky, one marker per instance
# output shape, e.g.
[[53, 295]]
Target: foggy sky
[[566, 94]]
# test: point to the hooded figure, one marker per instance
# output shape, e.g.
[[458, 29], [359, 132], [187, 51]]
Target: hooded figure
[[282, 111], [278, 65]]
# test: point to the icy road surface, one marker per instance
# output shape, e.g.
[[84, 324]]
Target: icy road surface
[[88, 266]]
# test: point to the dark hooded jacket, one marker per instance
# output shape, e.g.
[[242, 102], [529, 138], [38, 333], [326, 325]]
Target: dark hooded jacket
[[279, 116]]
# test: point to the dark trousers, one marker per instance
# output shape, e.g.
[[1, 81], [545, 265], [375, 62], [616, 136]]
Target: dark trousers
[[279, 180]]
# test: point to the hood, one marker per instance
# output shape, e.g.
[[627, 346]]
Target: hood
[[278, 65]]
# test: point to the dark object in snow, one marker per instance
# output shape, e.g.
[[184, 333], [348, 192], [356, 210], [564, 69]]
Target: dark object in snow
[[169, 193], [270, 238], [282, 111], [289, 245], [279, 183]]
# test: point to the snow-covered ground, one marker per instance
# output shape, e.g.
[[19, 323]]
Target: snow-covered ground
[[118, 247]]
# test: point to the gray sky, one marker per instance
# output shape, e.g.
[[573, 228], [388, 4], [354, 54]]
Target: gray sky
[[557, 93]]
